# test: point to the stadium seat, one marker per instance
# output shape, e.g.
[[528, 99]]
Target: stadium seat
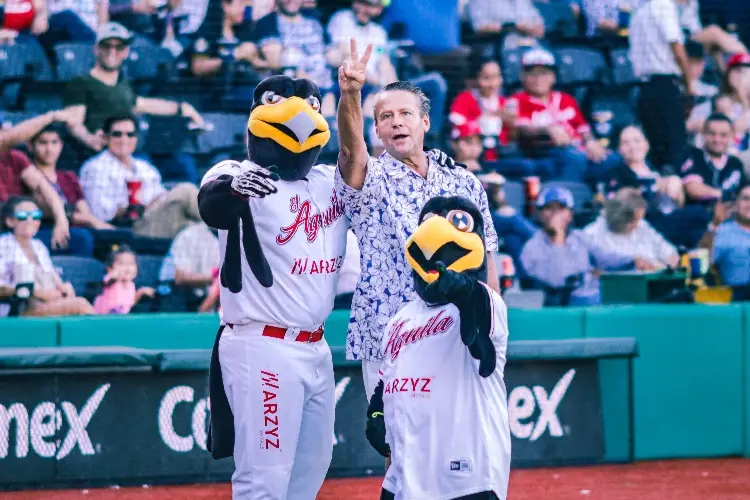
[[81, 272], [12, 118], [146, 63], [511, 64], [559, 20], [582, 194], [73, 59], [21, 65], [515, 195], [149, 267], [609, 109], [229, 130], [578, 65], [622, 68]]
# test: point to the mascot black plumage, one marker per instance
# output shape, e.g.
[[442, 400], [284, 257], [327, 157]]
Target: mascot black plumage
[[452, 339]]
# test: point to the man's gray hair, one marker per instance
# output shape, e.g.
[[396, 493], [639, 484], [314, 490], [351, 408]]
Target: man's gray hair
[[622, 209], [424, 101]]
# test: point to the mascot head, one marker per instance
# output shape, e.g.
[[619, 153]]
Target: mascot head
[[451, 231], [286, 130]]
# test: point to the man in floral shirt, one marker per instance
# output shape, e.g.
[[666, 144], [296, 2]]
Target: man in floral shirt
[[383, 198]]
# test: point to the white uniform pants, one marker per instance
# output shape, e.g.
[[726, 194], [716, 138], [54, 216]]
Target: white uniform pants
[[281, 393]]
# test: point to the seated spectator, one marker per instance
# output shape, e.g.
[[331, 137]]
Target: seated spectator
[[24, 259], [512, 228], [23, 16], [119, 294], [357, 23], [715, 39], [75, 21], [664, 194], [731, 245], [288, 38], [518, 20], [92, 97], [433, 26], [45, 149], [561, 259], [607, 18], [115, 183], [621, 230], [734, 101], [696, 55], [711, 174], [467, 145], [192, 259], [19, 177], [547, 116], [349, 274]]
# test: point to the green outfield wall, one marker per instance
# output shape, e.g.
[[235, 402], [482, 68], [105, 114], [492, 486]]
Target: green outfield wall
[[691, 379]]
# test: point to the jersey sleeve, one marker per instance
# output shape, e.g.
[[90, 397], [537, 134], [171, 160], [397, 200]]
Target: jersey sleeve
[[689, 172], [499, 325]]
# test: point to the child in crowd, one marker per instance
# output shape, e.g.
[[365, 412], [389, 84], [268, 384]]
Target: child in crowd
[[120, 294]]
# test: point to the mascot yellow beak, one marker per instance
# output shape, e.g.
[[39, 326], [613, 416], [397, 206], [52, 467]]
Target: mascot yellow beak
[[292, 123], [437, 239]]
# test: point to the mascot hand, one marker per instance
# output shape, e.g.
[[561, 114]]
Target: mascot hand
[[443, 159], [255, 183], [483, 350], [451, 286], [375, 431]]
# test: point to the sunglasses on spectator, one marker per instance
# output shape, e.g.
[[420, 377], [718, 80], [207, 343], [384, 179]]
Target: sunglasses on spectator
[[26, 214], [743, 198], [119, 47], [120, 133]]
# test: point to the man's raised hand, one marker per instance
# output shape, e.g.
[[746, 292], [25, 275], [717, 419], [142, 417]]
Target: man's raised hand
[[353, 71]]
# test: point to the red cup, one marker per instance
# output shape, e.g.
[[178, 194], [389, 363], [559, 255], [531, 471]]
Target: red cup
[[532, 186], [134, 189]]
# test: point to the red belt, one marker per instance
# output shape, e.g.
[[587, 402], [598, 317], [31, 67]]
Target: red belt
[[303, 336]]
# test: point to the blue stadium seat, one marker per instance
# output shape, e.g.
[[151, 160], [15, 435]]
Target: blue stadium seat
[[622, 69], [559, 20], [21, 65], [578, 65], [228, 133], [149, 267], [515, 195], [609, 110], [147, 63], [582, 194], [73, 59], [81, 272], [12, 118], [511, 64]]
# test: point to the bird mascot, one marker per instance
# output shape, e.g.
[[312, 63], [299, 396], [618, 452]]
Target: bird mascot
[[282, 233], [440, 409]]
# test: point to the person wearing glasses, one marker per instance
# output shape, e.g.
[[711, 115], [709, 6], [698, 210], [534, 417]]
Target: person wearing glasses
[[25, 259], [128, 191]]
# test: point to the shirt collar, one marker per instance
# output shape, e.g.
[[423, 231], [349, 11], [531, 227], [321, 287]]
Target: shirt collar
[[398, 169], [718, 165]]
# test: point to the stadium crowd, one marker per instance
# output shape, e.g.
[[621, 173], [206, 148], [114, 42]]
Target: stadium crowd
[[609, 134]]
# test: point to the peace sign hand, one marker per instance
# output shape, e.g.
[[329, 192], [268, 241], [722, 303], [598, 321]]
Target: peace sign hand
[[353, 71]]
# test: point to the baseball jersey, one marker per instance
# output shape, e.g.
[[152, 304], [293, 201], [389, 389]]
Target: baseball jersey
[[302, 230], [560, 109], [447, 426]]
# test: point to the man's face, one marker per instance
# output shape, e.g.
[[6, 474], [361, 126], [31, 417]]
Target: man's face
[[538, 80], [743, 206], [718, 136], [290, 6], [46, 148], [122, 139], [490, 79], [553, 210], [468, 148], [111, 53], [364, 12], [399, 124], [234, 10]]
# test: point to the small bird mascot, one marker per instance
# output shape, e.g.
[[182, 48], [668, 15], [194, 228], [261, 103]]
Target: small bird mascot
[[440, 409]]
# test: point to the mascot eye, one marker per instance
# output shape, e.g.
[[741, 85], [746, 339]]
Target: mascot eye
[[461, 220], [314, 102], [270, 97]]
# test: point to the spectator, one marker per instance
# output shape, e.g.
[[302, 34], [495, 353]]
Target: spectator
[[554, 117], [45, 148], [119, 294], [711, 174], [512, 228], [192, 258], [731, 246], [74, 21], [23, 16], [23, 257], [696, 57], [622, 231], [496, 120], [665, 194], [433, 26], [105, 179], [518, 20], [19, 177], [657, 53], [358, 23], [289, 38], [93, 97], [713, 37], [558, 257], [467, 145], [608, 17]]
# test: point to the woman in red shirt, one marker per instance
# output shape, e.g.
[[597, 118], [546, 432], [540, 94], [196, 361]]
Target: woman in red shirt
[[23, 15]]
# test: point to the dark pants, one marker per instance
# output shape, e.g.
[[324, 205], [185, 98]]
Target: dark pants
[[66, 26], [683, 227], [661, 108], [81, 242], [485, 495]]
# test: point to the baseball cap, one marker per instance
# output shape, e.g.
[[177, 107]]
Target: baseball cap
[[538, 57], [555, 195], [112, 30], [466, 129], [740, 59]]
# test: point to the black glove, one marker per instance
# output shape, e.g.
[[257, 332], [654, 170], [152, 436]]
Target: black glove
[[443, 159], [375, 431], [255, 183]]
